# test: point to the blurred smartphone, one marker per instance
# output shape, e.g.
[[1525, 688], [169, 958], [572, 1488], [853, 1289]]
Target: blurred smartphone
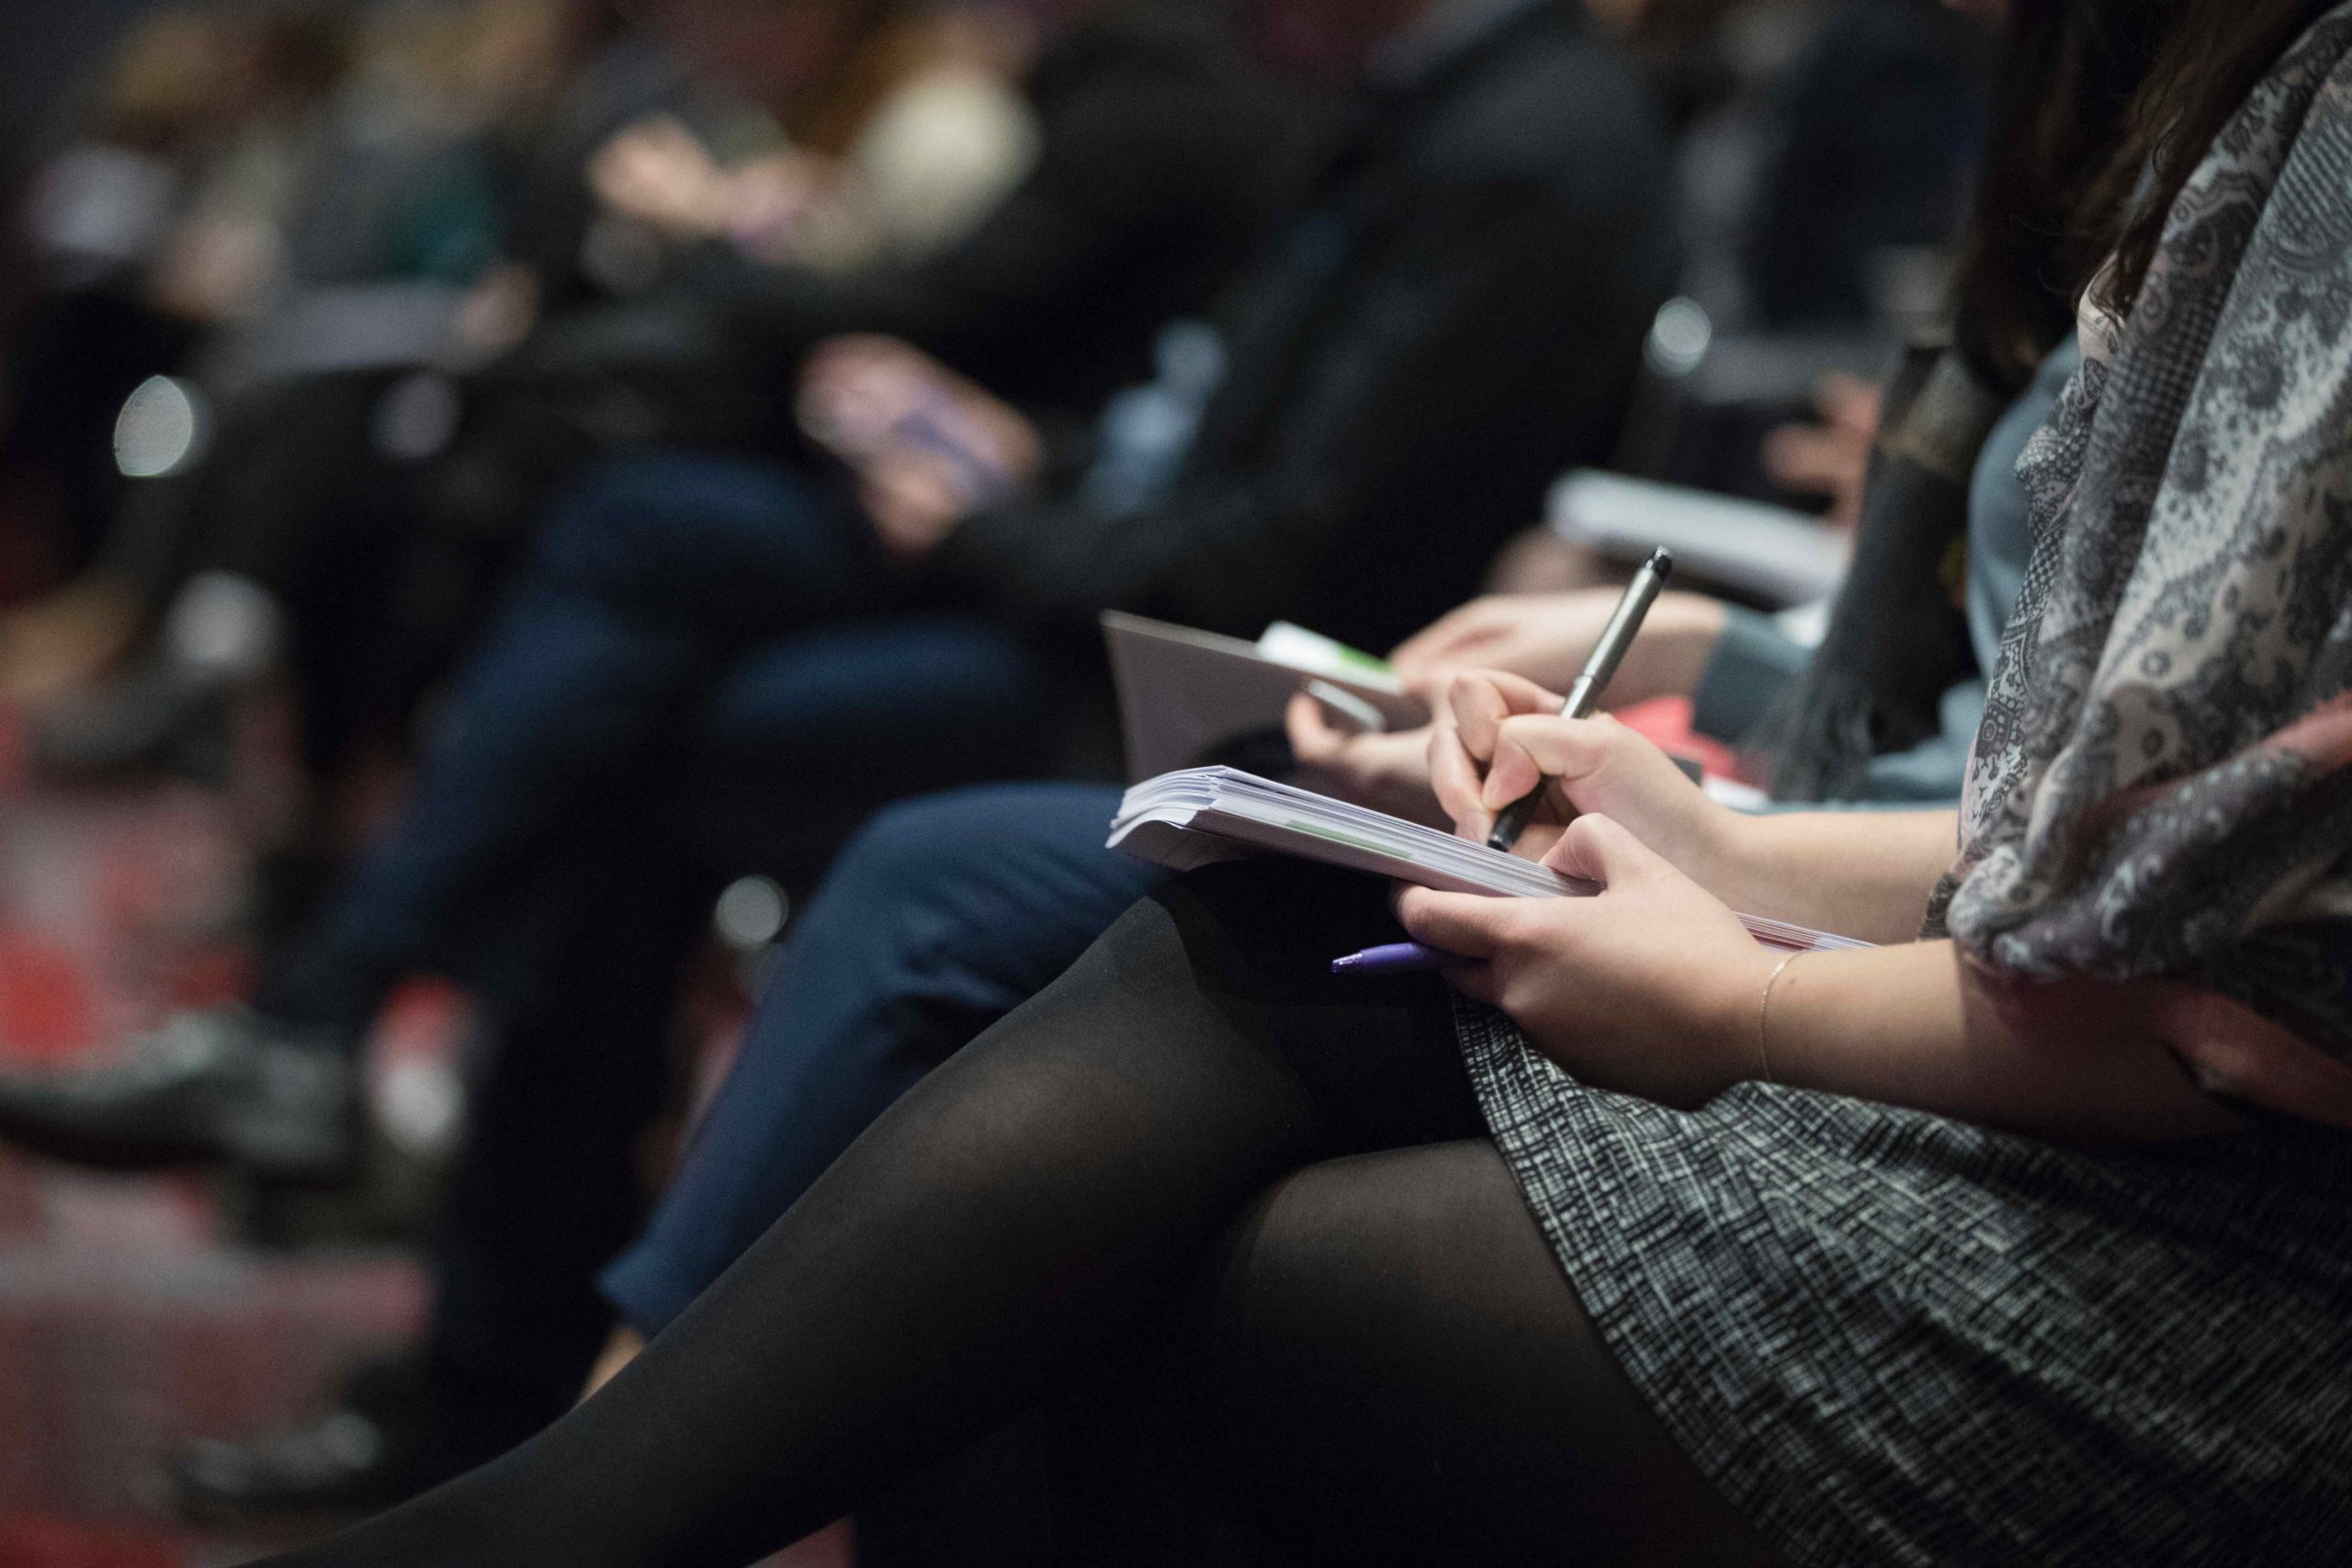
[[1350, 713], [859, 425], [939, 425]]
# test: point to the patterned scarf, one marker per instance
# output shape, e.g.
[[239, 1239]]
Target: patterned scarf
[[2162, 789]]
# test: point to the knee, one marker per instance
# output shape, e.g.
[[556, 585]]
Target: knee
[[1342, 1258], [978, 872], [595, 521], [907, 849], [631, 519], [936, 901]]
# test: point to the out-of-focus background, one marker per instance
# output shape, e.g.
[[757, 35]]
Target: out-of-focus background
[[266, 270], [125, 1326], [138, 1314]]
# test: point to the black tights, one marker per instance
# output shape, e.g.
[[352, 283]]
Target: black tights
[[1198, 1127]]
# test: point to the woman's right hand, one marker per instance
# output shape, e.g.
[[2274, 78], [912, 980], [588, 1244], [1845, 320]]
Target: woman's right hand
[[1500, 735]]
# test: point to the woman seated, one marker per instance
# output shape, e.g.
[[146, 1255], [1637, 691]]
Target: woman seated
[[2025, 1240]]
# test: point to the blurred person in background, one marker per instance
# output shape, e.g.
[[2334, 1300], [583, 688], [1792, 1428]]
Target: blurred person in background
[[361, 555], [1836, 150], [1449, 314], [152, 229], [1163, 152], [917, 131], [389, 203], [1826, 157]]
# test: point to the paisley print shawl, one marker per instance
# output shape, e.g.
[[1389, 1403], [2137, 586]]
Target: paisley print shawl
[[2161, 788]]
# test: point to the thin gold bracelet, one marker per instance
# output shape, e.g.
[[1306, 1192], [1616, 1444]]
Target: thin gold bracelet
[[1764, 1015]]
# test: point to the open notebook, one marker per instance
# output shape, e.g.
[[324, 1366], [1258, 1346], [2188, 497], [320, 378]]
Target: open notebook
[[1205, 815]]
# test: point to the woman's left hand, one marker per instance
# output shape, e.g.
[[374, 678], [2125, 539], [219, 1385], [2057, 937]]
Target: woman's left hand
[[1649, 987]]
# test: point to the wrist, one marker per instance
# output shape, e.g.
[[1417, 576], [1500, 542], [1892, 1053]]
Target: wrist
[[1719, 851], [1739, 1022]]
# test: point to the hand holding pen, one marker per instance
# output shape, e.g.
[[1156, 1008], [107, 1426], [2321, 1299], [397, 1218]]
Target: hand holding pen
[[1608, 652], [1669, 788]]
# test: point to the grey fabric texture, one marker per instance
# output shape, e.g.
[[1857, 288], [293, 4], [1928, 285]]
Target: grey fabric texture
[[2163, 783], [1889, 1338]]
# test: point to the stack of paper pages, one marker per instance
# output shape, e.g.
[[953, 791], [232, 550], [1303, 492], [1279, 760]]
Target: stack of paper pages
[[1204, 815]]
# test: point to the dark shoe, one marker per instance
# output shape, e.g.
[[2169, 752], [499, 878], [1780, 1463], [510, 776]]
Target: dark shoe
[[396, 1431], [207, 1087], [165, 718], [346, 1462]]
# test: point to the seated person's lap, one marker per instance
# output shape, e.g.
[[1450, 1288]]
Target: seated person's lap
[[941, 916], [741, 544]]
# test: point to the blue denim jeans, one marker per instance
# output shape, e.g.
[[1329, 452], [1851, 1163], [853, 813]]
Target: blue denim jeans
[[940, 918], [682, 616], [702, 672]]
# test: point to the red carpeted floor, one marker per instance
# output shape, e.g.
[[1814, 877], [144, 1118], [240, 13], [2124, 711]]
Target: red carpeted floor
[[131, 1319]]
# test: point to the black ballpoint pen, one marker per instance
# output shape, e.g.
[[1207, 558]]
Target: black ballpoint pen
[[1607, 653]]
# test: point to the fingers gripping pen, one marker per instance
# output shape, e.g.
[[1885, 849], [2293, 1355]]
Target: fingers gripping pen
[[1607, 654]]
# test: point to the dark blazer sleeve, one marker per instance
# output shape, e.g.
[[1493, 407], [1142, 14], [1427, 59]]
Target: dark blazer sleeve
[[1158, 161], [1490, 342]]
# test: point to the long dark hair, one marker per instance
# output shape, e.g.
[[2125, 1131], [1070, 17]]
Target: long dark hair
[[2103, 110]]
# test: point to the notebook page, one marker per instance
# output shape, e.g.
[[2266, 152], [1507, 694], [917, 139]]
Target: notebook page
[[1200, 814]]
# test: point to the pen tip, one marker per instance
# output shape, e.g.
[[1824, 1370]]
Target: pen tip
[[1661, 561]]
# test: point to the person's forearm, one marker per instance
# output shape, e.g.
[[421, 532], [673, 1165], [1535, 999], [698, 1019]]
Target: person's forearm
[[1860, 874], [1914, 1025]]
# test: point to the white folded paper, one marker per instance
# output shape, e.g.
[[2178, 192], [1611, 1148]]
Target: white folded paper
[[1200, 816]]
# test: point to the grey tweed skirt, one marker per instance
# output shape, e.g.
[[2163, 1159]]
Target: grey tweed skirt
[[1889, 1338]]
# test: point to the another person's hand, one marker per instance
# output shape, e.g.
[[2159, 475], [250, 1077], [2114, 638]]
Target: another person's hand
[[929, 446], [1833, 457], [1649, 987], [1548, 637], [658, 173], [215, 268], [1501, 736], [1387, 770], [914, 498], [500, 309], [767, 197]]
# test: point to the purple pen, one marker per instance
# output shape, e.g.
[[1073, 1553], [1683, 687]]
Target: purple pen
[[1393, 958]]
